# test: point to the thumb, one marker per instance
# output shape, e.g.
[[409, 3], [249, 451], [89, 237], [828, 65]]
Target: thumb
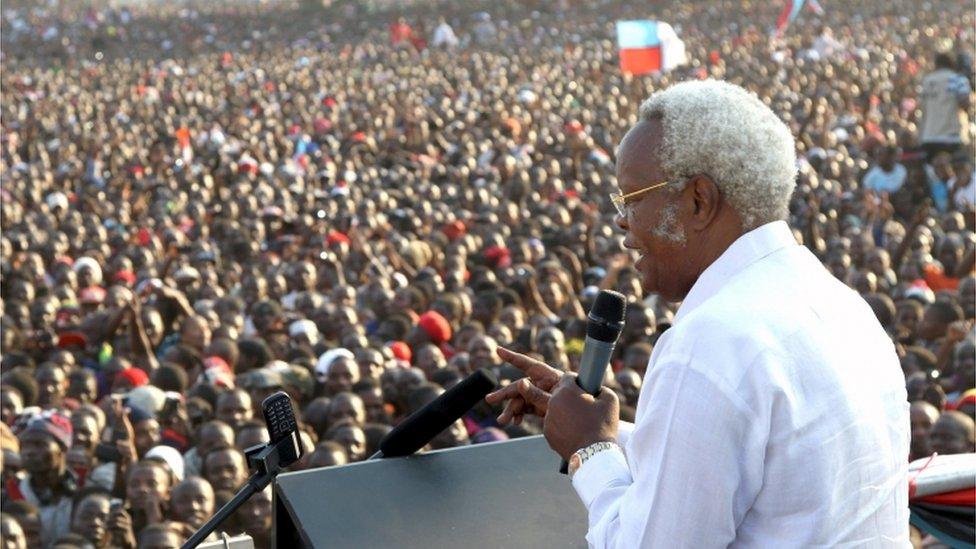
[[606, 394], [608, 397]]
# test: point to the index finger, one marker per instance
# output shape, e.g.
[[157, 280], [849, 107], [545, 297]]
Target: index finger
[[522, 362]]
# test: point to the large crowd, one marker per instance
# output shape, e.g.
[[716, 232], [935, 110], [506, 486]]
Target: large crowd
[[357, 203]]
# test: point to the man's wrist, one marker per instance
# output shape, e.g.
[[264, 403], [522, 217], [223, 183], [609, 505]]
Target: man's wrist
[[581, 456]]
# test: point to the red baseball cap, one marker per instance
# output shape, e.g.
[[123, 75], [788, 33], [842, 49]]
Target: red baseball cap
[[68, 339], [401, 351], [92, 295]]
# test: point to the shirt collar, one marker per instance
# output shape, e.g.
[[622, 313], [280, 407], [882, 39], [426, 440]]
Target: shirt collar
[[746, 250]]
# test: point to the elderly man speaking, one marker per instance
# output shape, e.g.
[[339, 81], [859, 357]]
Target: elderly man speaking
[[774, 410]]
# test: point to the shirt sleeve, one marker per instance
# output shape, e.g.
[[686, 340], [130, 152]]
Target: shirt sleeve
[[959, 86], [683, 482], [624, 430], [869, 181]]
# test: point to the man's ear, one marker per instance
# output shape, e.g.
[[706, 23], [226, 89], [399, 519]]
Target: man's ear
[[704, 201]]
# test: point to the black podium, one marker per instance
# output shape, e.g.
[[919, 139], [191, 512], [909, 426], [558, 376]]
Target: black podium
[[503, 494]]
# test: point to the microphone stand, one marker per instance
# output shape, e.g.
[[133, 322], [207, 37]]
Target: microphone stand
[[266, 460]]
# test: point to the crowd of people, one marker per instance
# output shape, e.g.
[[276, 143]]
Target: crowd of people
[[357, 203]]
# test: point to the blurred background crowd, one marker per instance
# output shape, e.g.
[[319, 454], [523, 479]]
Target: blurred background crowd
[[357, 202]]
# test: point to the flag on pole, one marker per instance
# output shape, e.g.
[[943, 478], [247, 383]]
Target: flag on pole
[[648, 46], [673, 48], [791, 9]]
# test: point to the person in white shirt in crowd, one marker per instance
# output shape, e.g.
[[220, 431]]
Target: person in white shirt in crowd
[[444, 36], [945, 102], [963, 192], [786, 426], [826, 45], [888, 175]]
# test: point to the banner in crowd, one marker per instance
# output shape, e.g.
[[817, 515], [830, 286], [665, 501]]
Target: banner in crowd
[[791, 9], [648, 46]]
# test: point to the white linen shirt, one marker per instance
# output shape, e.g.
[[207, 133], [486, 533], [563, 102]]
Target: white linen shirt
[[773, 414]]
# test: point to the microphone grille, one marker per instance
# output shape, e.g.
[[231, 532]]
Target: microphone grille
[[609, 306]]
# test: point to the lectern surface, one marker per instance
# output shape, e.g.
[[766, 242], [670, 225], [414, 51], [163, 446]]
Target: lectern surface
[[504, 494]]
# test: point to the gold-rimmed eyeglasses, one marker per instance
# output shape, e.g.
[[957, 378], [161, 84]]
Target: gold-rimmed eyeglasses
[[620, 201]]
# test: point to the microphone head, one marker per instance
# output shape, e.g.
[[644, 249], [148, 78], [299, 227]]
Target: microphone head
[[606, 317], [424, 424], [609, 306]]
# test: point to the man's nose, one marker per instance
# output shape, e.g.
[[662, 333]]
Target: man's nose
[[621, 221]]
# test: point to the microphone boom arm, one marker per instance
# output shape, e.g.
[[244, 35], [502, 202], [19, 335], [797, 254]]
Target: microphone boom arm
[[266, 460]]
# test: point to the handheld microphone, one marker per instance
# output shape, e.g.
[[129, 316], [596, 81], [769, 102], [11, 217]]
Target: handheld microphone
[[603, 326], [424, 424], [280, 417]]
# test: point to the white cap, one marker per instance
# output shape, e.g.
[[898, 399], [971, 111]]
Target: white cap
[[326, 360], [306, 327], [96, 269], [57, 200], [147, 397], [187, 272], [171, 456]]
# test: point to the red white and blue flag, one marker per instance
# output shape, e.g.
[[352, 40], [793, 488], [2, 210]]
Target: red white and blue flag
[[648, 46]]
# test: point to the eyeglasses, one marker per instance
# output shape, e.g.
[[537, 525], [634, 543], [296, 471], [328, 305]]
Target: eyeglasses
[[620, 201]]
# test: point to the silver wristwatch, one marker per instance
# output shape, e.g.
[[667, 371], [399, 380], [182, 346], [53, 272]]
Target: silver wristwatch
[[580, 456]]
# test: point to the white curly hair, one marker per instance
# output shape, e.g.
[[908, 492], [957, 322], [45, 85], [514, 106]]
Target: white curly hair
[[723, 131]]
